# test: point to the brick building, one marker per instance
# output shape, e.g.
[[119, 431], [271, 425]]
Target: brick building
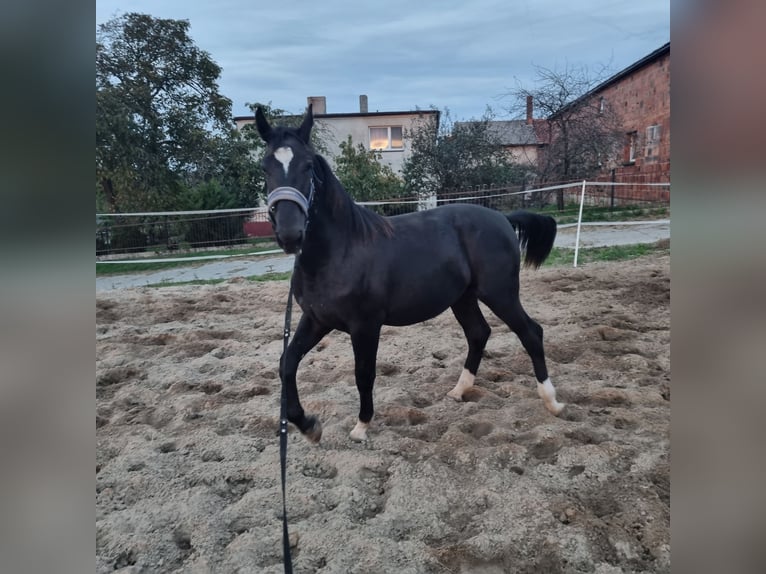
[[640, 97]]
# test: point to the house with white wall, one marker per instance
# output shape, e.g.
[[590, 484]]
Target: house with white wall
[[389, 133]]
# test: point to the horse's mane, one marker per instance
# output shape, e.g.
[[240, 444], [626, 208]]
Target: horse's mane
[[362, 222]]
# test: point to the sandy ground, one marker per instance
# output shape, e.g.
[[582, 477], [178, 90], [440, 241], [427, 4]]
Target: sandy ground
[[187, 454]]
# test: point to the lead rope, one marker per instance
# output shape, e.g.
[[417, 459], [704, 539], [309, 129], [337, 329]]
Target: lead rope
[[287, 555], [283, 436]]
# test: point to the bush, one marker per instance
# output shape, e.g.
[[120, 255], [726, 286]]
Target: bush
[[121, 238]]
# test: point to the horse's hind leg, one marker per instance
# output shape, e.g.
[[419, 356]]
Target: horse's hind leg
[[477, 331], [530, 333]]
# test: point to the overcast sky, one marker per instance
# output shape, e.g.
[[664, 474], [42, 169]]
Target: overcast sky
[[462, 55]]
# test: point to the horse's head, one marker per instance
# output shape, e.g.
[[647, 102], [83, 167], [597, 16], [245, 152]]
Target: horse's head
[[289, 168]]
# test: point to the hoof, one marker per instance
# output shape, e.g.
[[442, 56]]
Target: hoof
[[314, 432], [556, 408], [464, 383], [359, 433], [548, 394]]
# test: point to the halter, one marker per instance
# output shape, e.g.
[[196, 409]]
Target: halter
[[291, 194]]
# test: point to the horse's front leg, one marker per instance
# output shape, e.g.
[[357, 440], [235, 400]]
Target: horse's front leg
[[307, 334], [365, 343]]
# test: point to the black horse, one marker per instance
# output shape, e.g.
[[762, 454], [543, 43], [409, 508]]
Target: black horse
[[357, 271]]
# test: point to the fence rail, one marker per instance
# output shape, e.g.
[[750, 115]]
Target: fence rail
[[149, 235]]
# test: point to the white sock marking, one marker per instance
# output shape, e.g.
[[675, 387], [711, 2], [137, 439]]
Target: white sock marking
[[548, 394], [464, 383], [284, 155], [360, 431]]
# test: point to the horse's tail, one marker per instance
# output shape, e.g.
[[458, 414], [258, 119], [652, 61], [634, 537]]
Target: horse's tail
[[536, 235]]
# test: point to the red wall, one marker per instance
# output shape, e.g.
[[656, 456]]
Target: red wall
[[642, 99], [258, 229]]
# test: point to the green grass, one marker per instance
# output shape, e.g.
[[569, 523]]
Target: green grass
[[565, 256], [138, 266], [559, 257], [183, 283], [571, 212], [270, 276]]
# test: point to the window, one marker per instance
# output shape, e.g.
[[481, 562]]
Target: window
[[631, 144], [601, 105], [652, 141], [385, 138]]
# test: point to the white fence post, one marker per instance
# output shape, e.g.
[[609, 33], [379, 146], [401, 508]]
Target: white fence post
[[579, 223]]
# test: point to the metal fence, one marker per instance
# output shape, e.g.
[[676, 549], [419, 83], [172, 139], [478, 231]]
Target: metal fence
[[134, 235], [131, 236]]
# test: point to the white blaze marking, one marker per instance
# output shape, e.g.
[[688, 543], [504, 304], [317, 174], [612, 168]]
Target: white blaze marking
[[284, 156], [464, 383], [548, 394], [360, 431]]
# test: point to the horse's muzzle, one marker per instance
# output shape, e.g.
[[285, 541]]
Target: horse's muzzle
[[290, 242], [288, 219]]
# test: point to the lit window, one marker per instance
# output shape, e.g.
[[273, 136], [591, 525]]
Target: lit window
[[396, 137], [384, 138]]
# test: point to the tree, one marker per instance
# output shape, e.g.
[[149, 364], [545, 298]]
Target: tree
[[363, 176], [581, 131], [157, 107], [254, 147], [451, 156], [229, 161]]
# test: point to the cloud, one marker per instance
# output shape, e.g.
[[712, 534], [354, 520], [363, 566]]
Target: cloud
[[404, 54]]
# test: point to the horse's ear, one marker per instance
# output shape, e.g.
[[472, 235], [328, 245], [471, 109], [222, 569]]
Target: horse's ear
[[308, 121], [262, 124]]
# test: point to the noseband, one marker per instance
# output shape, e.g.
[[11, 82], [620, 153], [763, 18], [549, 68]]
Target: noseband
[[291, 194]]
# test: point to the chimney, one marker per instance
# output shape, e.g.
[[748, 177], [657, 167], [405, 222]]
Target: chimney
[[529, 110], [320, 104], [363, 104]]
